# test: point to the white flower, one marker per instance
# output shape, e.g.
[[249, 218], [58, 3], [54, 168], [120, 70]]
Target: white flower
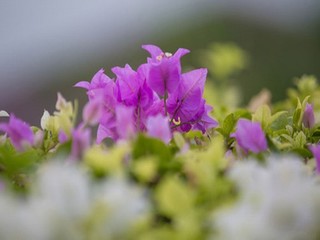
[[20, 221], [62, 193], [3, 114], [65, 204], [124, 204], [277, 201], [65, 187]]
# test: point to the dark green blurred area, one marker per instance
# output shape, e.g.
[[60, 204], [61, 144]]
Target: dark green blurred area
[[276, 57]]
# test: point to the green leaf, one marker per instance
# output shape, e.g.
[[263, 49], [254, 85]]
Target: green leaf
[[227, 125], [302, 152], [104, 162], [145, 169], [16, 166], [193, 134], [179, 140], [298, 113], [226, 59], [262, 115], [300, 140], [279, 124], [288, 138], [307, 84], [242, 113], [174, 197], [296, 117], [315, 137], [289, 129], [146, 146]]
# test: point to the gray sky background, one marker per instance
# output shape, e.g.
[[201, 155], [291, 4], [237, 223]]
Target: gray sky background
[[39, 38]]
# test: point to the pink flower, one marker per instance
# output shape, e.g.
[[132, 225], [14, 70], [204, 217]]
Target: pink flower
[[315, 149], [62, 137], [203, 120], [92, 111], [184, 104], [308, 116], [158, 127], [98, 84], [164, 69], [125, 122], [19, 132], [250, 136], [80, 141]]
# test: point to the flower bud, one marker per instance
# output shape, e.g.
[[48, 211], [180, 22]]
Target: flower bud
[[308, 116]]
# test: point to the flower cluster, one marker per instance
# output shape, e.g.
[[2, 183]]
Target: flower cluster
[[156, 95]]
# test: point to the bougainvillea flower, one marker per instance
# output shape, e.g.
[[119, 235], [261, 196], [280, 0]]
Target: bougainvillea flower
[[164, 69], [100, 82], [92, 111], [107, 128], [38, 138], [62, 137], [308, 116], [157, 87], [315, 149], [193, 80], [145, 96], [80, 141], [132, 89], [125, 122], [121, 126], [187, 100], [102, 94], [127, 84], [154, 51], [158, 127], [156, 108], [158, 55], [204, 121], [19, 132], [250, 136]]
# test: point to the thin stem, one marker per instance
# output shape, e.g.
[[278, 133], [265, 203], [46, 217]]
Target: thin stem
[[165, 103], [208, 136], [138, 119], [138, 114]]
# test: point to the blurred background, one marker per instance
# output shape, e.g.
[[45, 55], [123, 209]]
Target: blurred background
[[48, 46]]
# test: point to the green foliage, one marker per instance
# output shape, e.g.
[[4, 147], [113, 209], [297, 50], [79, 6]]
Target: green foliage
[[102, 161], [170, 191], [63, 119], [228, 124], [145, 146], [185, 181], [15, 166], [226, 59]]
